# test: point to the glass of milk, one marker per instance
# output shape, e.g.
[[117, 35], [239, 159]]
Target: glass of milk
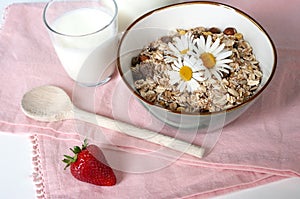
[[84, 36]]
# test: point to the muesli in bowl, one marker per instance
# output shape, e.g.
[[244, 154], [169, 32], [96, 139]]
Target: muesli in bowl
[[197, 70], [196, 64]]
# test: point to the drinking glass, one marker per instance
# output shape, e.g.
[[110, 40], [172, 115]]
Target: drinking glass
[[84, 36]]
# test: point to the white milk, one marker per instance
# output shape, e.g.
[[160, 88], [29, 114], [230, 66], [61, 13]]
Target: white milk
[[86, 57], [129, 10]]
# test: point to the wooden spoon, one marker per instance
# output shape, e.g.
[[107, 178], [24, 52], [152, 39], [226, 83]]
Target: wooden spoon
[[50, 103]]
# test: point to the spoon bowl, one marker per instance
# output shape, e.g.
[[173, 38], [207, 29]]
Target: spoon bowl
[[47, 103]]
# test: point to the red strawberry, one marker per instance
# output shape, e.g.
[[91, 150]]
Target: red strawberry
[[89, 165]]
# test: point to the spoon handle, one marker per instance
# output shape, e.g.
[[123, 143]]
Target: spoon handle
[[134, 131]]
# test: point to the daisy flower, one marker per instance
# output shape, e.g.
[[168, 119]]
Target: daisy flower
[[185, 74], [181, 47], [212, 57]]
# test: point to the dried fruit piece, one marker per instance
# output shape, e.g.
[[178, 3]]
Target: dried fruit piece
[[143, 58], [229, 31], [214, 30]]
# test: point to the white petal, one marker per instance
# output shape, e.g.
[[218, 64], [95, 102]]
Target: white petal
[[169, 59], [224, 66], [182, 86], [224, 61], [186, 62], [185, 42], [199, 76], [174, 50], [223, 55], [189, 36], [207, 74], [188, 88], [172, 82], [196, 64], [180, 46], [181, 43], [201, 43], [194, 85], [198, 51], [216, 74], [176, 39], [195, 67], [177, 63], [224, 70], [190, 62], [215, 45], [218, 50], [208, 43], [200, 65], [193, 60], [174, 75]]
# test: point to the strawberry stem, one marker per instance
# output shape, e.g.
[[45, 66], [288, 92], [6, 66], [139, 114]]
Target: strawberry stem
[[85, 144], [68, 159]]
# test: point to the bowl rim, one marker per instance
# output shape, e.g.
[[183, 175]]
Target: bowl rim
[[251, 19]]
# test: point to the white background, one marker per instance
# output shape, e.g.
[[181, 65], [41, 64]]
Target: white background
[[16, 169]]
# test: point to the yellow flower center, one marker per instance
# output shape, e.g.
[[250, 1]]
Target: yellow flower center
[[183, 52], [208, 59], [186, 73], [182, 32]]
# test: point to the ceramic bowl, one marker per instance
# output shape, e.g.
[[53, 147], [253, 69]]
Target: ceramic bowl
[[160, 22]]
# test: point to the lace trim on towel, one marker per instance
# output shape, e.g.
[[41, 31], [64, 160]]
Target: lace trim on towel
[[37, 175]]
